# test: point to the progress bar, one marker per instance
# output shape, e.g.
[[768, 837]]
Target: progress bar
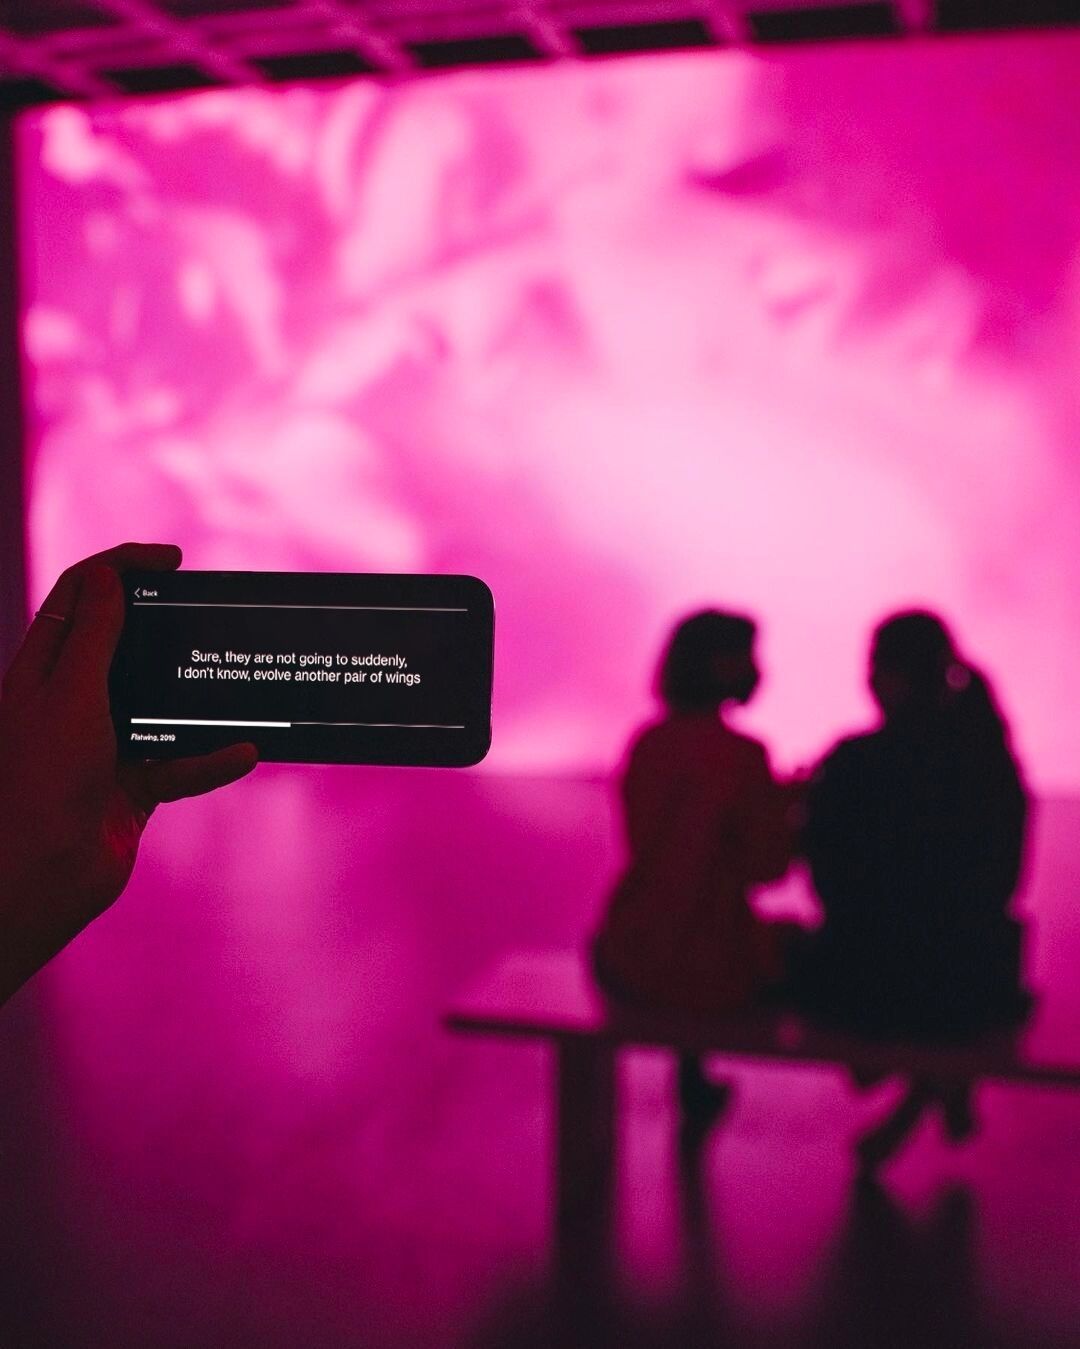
[[287, 725], [394, 725], [358, 608], [181, 721]]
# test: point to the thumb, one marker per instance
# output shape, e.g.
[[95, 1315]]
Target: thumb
[[173, 779]]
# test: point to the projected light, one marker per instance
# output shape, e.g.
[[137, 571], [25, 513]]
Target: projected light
[[798, 334]]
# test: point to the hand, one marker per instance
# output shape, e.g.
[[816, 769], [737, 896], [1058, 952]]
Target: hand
[[71, 815]]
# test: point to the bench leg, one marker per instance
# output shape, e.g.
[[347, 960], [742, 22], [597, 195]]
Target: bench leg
[[584, 1150]]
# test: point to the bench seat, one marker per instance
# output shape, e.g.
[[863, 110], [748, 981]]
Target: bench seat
[[551, 996]]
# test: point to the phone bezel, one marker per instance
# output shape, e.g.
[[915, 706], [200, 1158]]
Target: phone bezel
[[403, 746]]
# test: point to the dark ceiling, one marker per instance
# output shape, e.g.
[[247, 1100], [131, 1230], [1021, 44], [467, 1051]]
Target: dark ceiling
[[51, 49]]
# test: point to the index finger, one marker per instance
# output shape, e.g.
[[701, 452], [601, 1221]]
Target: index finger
[[45, 639]]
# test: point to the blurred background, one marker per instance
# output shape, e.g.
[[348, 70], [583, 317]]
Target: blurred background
[[777, 308]]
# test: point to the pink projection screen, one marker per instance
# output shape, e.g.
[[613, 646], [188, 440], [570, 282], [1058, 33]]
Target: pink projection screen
[[797, 333]]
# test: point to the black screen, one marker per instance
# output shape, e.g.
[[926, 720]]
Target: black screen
[[313, 668]]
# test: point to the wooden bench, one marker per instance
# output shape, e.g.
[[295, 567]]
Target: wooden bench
[[551, 996]]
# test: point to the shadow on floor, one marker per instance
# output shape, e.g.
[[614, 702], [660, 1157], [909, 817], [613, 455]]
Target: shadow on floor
[[892, 1279]]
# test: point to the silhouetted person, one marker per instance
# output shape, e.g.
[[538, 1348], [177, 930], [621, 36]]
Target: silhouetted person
[[705, 822], [914, 836]]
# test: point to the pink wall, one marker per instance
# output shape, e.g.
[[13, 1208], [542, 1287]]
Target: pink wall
[[799, 333]]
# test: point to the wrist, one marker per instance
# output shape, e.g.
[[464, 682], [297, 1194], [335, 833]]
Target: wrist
[[33, 926], [24, 948]]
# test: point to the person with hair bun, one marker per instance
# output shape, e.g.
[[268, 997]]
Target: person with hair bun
[[914, 836], [705, 822]]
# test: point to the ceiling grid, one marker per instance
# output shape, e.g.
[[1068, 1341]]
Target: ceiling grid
[[78, 49]]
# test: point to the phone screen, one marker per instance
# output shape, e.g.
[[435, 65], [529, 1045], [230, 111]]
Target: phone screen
[[310, 667]]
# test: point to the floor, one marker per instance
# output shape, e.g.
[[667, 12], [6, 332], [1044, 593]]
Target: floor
[[230, 1117]]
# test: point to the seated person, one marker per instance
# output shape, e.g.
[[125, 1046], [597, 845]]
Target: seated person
[[914, 835], [705, 822]]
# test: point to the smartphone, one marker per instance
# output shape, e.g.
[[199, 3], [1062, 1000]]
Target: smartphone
[[310, 667]]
